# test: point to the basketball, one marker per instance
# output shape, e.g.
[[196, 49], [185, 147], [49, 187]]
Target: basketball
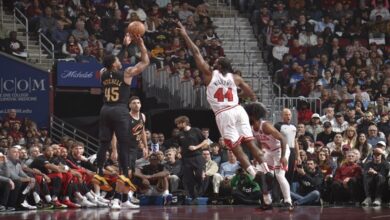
[[136, 28]]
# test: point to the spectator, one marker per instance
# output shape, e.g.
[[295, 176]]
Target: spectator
[[350, 136], [13, 46], [327, 135], [373, 135], [329, 116], [184, 12], [315, 126], [80, 33], [244, 189], [346, 180], [211, 168], [95, 47], [227, 170], [72, 48], [340, 124], [59, 36], [63, 19], [47, 23], [154, 177], [215, 153], [310, 180], [86, 57], [381, 11], [138, 11], [375, 174], [174, 167], [7, 189]]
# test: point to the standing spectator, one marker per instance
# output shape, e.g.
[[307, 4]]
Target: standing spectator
[[191, 141], [375, 174]]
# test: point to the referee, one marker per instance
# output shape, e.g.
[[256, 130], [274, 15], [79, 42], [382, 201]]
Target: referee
[[289, 131], [191, 142]]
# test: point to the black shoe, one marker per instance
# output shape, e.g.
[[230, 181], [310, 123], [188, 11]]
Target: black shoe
[[265, 207], [288, 206], [10, 209]]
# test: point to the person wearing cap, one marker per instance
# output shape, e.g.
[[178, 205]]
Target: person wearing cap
[[314, 127], [340, 124], [154, 177], [384, 124], [373, 135], [375, 174], [327, 135]]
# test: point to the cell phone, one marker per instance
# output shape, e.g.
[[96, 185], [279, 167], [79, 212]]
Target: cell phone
[[299, 166]]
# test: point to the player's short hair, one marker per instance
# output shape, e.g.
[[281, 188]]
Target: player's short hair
[[108, 61], [256, 110], [226, 66], [182, 119], [132, 98]]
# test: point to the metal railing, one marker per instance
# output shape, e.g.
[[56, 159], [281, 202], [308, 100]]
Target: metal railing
[[2, 14], [20, 18], [45, 43], [222, 3], [60, 128], [294, 104]]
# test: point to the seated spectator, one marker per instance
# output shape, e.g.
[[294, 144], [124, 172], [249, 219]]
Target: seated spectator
[[215, 153], [86, 57], [327, 135], [211, 168], [72, 48], [227, 171], [7, 189], [174, 167], [23, 183], [340, 124], [94, 23], [346, 181], [373, 135], [13, 46], [245, 190], [184, 12], [314, 127], [375, 174], [47, 23], [80, 33], [95, 47], [381, 11], [59, 35], [154, 177], [16, 132], [138, 11], [350, 136], [310, 181], [63, 19]]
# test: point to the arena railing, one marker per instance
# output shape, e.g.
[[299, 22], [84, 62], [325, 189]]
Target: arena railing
[[60, 128], [293, 103], [2, 14], [20, 18], [45, 43]]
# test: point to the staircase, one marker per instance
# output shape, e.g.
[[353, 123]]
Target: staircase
[[241, 46], [35, 43]]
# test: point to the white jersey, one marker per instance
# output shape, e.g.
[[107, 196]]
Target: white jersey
[[222, 91], [268, 142]]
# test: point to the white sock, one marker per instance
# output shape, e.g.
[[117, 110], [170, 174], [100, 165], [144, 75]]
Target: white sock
[[66, 198], [37, 199], [78, 195], [284, 186], [251, 170], [267, 198], [90, 196], [55, 198], [131, 193], [48, 198], [166, 192]]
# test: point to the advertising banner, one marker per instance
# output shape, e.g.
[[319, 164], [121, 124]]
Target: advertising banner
[[74, 74], [24, 88]]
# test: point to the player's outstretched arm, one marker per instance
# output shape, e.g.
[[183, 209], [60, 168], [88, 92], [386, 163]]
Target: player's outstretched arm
[[141, 65], [200, 62], [247, 91]]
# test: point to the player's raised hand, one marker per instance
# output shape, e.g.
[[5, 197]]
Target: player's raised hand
[[181, 28], [127, 39]]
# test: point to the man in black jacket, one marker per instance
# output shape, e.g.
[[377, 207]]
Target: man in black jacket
[[374, 178], [310, 179]]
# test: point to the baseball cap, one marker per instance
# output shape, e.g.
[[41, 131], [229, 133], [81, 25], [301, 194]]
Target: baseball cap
[[381, 143], [319, 83], [327, 124], [378, 150], [315, 115]]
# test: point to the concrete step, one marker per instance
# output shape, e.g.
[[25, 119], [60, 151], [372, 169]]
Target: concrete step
[[238, 32], [231, 26], [221, 19]]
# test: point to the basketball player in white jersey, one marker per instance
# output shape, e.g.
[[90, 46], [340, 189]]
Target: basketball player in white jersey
[[231, 118], [276, 151]]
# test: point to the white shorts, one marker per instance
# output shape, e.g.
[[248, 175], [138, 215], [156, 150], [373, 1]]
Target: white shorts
[[233, 124], [272, 158]]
